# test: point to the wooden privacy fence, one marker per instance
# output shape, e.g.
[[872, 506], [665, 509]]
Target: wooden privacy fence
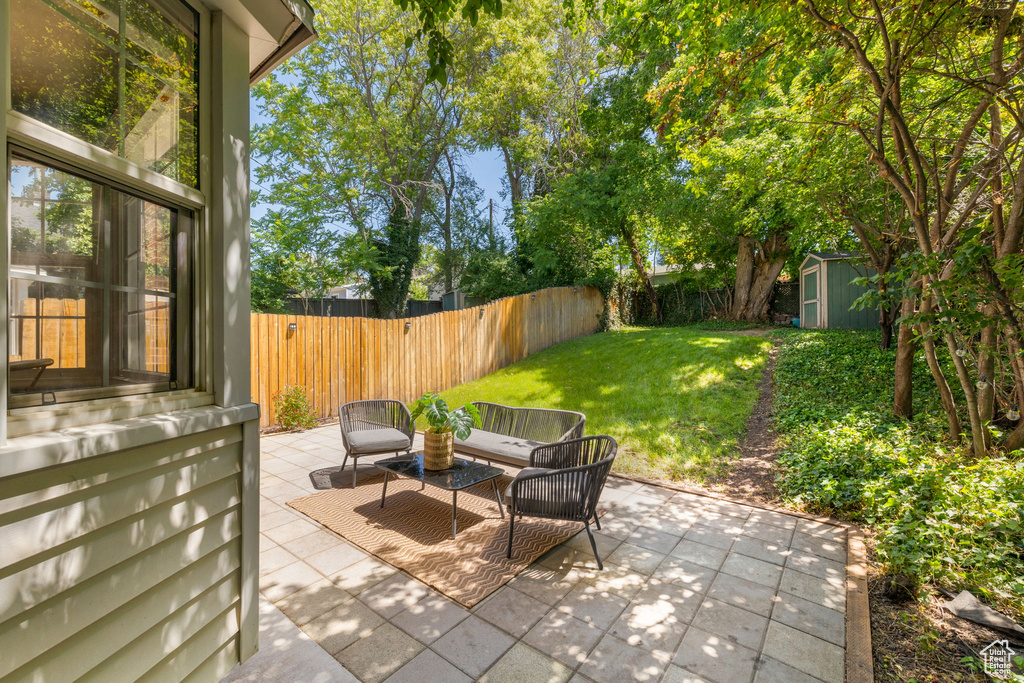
[[350, 359]]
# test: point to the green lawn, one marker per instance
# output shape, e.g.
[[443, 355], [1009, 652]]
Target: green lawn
[[676, 399]]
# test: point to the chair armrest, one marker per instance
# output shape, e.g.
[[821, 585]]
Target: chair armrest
[[409, 428]]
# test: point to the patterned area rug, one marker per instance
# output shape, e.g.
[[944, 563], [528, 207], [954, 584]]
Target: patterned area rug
[[413, 532]]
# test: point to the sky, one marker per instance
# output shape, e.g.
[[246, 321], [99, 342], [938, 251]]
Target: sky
[[486, 167]]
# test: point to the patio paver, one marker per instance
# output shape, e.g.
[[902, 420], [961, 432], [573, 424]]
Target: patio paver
[[694, 589]]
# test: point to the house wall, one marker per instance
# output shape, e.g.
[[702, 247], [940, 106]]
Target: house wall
[[124, 561], [841, 293], [129, 527]]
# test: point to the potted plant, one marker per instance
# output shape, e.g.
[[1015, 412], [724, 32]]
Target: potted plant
[[445, 425]]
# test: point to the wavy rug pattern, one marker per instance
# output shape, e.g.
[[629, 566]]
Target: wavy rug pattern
[[413, 532]]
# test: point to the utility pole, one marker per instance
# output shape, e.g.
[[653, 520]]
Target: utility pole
[[490, 220]]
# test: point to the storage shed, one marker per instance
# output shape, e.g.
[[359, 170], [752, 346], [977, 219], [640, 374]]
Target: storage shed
[[828, 290]]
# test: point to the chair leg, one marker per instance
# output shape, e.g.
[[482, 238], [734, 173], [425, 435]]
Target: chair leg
[[597, 520], [511, 530], [593, 544], [355, 471]]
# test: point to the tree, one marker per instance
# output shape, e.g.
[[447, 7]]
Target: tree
[[455, 226], [929, 90], [743, 190], [355, 137], [534, 68], [293, 257]]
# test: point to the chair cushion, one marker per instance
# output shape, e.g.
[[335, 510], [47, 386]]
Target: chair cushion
[[497, 447], [378, 440]]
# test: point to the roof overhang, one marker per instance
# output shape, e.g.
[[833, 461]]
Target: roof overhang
[[277, 29]]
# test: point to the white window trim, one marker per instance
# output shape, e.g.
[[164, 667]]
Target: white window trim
[[39, 137]]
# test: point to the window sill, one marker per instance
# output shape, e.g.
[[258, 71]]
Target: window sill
[[35, 419], [47, 449]]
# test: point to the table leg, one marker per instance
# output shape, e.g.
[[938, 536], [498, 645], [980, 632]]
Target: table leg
[[454, 499], [384, 493], [501, 505]]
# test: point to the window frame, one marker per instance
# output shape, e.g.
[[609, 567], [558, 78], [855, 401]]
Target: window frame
[[181, 371], [30, 136]]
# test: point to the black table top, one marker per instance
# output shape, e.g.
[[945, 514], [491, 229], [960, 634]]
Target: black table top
[[460, 475]]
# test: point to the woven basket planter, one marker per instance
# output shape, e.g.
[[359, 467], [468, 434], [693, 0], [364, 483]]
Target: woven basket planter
[[438, 450]]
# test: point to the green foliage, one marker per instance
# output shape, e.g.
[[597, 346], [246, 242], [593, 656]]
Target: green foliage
[[267, 286], [493, 274], [940, 516], [293, 257], [442, 419], [676, 400], [293, 408], [400, 249]]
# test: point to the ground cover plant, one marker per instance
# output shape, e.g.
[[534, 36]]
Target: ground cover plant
[[677, 400], [942, 516]]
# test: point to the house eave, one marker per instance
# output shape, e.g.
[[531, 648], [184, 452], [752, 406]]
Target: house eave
[[302, 36], [277, 29]]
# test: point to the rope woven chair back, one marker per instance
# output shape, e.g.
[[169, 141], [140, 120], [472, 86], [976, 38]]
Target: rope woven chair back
[[536, 424], [575, 453], [379, 414], [581, 488]]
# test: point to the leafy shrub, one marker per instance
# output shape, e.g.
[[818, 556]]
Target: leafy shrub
[[940, 516], [293, 409]]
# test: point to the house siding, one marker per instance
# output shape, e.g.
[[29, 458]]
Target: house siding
[[126, 565]]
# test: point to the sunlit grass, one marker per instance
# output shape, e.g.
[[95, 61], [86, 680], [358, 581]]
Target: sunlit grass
[[676, 399]]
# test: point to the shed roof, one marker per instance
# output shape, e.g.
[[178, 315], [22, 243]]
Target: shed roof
[[834, 255]]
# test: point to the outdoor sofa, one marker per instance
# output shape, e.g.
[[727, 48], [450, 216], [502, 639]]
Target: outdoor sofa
[[508, 435]]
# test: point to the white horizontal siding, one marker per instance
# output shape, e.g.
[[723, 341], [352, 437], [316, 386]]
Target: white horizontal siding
[[125, 565]]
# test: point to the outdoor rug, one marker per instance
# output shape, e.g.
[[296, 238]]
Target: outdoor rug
[[413, 532]]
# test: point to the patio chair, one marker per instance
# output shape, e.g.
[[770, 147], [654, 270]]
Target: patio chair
[[564, 481], [374, 428]]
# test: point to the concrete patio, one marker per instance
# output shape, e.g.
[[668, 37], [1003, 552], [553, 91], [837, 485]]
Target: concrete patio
[[694, 589]]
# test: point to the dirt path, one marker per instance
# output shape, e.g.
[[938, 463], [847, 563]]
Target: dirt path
[[752, 476]]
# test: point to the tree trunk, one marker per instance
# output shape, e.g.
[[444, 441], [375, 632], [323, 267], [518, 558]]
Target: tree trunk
[[641, 268], [399, 252], [756, 275], [988, 348], [978, 431], [744, 276], [1015, 441], [948, 403], [903, 373], [765, 276]]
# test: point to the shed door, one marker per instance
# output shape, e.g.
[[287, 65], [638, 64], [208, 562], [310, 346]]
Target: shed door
[[810, 308]]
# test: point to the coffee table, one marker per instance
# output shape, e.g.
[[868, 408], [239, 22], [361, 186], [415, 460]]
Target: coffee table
[[462, 474]]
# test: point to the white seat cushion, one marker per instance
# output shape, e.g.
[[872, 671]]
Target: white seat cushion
[[378, 440], [499, 447]]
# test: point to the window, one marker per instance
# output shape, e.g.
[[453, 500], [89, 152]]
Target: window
[[99, 290], [119, 74]]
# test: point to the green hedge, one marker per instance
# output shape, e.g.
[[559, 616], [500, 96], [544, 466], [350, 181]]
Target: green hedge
[[940, 515]]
